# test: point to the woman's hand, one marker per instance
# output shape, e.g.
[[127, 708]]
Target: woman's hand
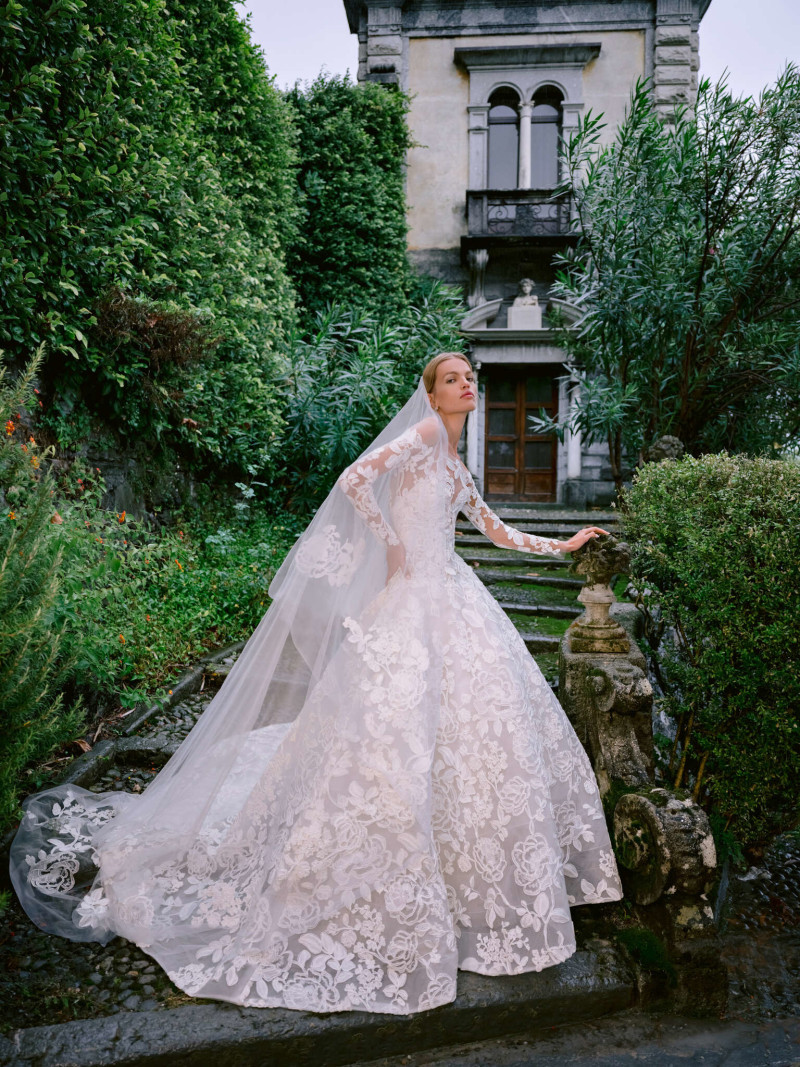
[[395, 560], [580, 538]]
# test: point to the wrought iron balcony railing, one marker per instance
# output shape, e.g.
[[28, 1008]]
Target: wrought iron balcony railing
[[518, 213]]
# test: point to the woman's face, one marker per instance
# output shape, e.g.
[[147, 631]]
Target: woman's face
[[454, 390]]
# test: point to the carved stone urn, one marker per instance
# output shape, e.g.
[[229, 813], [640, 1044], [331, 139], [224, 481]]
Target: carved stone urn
[[595, 631]]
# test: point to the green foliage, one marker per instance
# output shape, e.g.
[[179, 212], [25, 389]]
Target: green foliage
[[687, 274], [716, 544], [352, 242], [349, 376], [648, 950], [147, 166], [33, 667], [98, 610]]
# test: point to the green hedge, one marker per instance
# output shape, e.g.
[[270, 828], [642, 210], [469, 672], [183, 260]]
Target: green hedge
[[351, 246], [716, 552], [146, 194]]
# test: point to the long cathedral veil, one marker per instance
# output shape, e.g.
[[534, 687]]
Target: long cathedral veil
[[91, 866]]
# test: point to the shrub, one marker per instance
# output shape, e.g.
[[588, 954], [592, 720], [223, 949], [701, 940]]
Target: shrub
[[686, 272], [97, 609], [349, 376], [351, 245], [147, 166], [34, 718], [716, 545]]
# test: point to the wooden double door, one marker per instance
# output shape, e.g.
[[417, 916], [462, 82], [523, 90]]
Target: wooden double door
[[518, 463]]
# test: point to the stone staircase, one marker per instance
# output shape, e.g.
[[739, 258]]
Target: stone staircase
[[537, 593]]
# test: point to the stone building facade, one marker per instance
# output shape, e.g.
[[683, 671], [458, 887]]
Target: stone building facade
[[494, 84]]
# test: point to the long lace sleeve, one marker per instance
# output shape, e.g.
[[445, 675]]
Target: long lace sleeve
[[357, 480], [500, 533]]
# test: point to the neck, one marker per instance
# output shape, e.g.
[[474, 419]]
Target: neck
[[454, 424]]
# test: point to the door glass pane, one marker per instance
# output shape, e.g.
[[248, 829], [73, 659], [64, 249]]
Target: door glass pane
[[538, 454], [501, 454], [502, 420], [503, 391], [539, 389]]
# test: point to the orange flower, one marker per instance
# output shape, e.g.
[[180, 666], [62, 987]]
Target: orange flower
[[180, 565], [121, 518], [122, 639], [35, 461], [56, 518], [10, 427], [24, 448], [11, 515], [32, 441], [147, 617]]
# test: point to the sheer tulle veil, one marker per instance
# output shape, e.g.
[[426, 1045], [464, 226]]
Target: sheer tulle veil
[[90, 866]]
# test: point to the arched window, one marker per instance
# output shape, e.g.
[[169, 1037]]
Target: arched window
[[545, 133], [503, 139]]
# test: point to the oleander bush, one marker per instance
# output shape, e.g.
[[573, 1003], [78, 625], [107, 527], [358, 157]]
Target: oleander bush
[[349, 375], [716, 555]]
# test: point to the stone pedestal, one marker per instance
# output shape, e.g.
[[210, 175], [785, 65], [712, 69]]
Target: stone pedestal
[[663, 843], [525, 317]]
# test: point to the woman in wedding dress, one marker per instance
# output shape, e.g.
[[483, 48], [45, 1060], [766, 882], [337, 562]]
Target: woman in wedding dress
[[383, 791]]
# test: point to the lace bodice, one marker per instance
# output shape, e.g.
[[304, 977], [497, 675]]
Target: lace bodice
[[427, 497]]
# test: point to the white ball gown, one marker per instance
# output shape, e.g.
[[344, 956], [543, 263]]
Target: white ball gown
[[383, 791]]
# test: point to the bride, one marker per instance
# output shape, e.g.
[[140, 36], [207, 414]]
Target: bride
[[383, 791]]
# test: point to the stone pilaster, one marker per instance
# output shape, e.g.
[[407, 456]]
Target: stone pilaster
[[381, 43], [676, 55]]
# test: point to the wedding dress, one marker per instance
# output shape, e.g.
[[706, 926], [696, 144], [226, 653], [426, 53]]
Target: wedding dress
[[383, 791]]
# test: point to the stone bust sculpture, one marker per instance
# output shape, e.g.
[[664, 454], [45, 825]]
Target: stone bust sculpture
[[526, 296]]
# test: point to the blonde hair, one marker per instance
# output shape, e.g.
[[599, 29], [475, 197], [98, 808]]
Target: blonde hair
[[429, 371]]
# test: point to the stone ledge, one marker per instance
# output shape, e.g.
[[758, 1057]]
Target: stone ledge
[[593, 982]]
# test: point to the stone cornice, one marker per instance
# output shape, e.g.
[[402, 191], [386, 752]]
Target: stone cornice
[[435, 18], [526, 56]]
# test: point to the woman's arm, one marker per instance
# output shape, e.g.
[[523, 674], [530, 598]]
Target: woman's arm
[[356, 481], [504, 536]]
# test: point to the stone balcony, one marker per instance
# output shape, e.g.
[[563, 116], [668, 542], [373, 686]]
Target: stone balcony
[[518, 213]]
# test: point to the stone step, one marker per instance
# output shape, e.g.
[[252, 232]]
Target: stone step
[[548, 611], [488, 577], [594, 982], [498, 558], [540, 642], [561, 531], [509, 512]]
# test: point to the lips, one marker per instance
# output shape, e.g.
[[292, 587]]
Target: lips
[[465, 395]]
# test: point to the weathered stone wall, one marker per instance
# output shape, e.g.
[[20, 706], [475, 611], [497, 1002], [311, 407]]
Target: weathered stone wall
[[438, 167]]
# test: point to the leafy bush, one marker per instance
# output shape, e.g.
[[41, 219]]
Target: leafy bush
[[351, 245], [147, 188], [716, 544], [349, 376], [98, 610], [686, 273], [35, 718]]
